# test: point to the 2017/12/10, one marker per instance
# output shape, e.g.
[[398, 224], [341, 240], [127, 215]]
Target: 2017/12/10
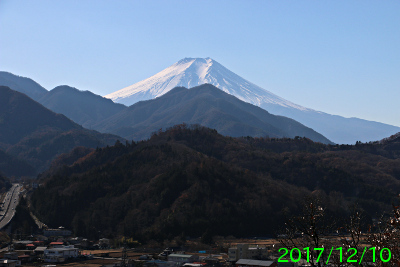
[[353, 252]]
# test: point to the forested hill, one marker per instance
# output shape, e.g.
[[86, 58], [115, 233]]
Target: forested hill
[[5, 184], [31, 136], [188, 180]]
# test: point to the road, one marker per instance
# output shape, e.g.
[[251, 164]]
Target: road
[[9, 205]]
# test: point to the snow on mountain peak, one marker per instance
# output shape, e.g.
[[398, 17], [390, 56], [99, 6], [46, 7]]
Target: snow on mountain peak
[[191, 72]]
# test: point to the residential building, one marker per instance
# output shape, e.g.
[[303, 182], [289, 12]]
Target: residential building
[[60, 254], [9, 263], [255, 263], [244, 251], [180, 259], [10, 258], [61, 231]]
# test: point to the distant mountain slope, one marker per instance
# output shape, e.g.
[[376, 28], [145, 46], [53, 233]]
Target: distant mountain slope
[[23, 85], [191, 72], [83, 107], [21, 116], [13, 166], [205, 105], [36, 135], [341, 130]]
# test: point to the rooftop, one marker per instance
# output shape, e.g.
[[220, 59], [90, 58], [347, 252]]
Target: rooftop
[[180, 255], [254, 262]]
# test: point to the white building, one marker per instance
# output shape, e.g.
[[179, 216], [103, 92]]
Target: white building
[[181, 259], [244, 251], [60, 254]]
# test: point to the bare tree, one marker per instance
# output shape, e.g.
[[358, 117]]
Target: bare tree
[[306, 233], [384, 235]]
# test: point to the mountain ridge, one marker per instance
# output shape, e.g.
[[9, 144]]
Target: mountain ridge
[[83, 107], [22, 84], [205, 105], [35, 135], [190, 72]]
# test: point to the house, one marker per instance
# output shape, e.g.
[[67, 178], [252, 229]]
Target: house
[[9, 263], [84, 244], [25, 258], [10, 259], [21, 244], [244, 251], [196, 264], [255, 263], [30, 246], [11, 256], [292, 264], [104, 242], [180, 259], [38, 243], [56, 244], [212, 260], [60, 254], [158, 263], [61, 231], [40, 251]]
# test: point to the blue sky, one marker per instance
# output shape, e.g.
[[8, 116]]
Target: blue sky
[[341, 57]]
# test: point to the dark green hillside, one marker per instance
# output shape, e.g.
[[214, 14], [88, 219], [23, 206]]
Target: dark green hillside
[[5, 184], [13, 166], [160, 191], [21, 116], [191, 179], [35, 135], [69, 158]]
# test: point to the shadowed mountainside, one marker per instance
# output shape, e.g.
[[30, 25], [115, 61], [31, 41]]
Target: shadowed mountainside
[[205, 105], [36, 135], [83, 107], [23, 85]]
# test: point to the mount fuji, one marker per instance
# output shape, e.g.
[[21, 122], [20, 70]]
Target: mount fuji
[[191, 72]]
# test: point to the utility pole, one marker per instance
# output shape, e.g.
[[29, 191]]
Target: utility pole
[[124, 262]]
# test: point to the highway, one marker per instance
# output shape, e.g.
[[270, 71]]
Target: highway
[[9, 205]]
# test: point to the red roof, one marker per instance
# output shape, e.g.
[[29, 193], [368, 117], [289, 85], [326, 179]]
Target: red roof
[[57, 243], [24, 256], [30, 245]]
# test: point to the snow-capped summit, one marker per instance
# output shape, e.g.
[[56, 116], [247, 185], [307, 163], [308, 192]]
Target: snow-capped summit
[[191, 72]]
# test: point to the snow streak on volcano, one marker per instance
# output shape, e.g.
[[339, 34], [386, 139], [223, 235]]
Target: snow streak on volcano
[[191, 72]]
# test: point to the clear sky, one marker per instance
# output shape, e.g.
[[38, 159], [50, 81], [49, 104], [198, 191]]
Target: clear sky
[[340, 56]]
